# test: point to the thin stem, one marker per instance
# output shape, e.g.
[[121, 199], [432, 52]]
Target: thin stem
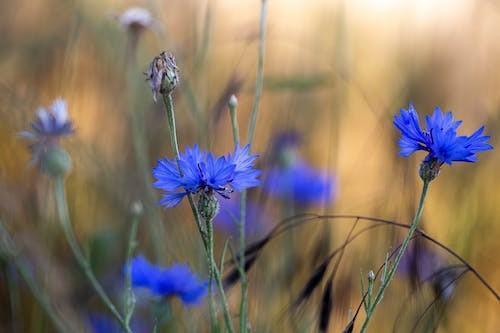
[[129, 299], [259, 81], [206, 231], [7, 247], [233, 108], [62, 210], [388, 278], [211, 270], [169, 105], [215, 274]]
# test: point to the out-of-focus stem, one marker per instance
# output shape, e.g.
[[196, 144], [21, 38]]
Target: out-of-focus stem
[[140, 146], [259, 81], [388, 278], [241, 224], [7, 247], [62, 210], [129, 299]]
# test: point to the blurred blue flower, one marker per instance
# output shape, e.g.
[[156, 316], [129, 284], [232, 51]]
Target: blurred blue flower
[[292, 178], [420, 264], [174, 281], [301, 183], [203, 171], [440, 139], [50, 125], [104, 324], [229, 216]]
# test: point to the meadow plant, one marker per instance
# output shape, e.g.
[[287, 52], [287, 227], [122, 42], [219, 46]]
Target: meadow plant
[[49, 127], [443, 145], [208, 182], [198, 175]]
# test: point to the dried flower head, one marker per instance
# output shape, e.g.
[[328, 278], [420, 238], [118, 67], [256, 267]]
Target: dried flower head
[[50, 125], [163, 74]]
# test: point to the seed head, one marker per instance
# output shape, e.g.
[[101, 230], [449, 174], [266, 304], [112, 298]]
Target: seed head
[[163, 74]]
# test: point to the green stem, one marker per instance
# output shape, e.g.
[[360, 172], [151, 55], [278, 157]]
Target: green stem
[[62, 210], [259, 81], [215, 274], [7, 246], [241, 227], [206, 232], [389, 276], [129, 299]]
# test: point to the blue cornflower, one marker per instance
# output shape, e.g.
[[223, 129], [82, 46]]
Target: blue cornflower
[[197, 170], [176, 280], [440, 138], [292, 178], [50, 125], [301, 183]]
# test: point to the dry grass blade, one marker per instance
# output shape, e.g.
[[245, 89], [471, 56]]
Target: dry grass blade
[[326, 306]]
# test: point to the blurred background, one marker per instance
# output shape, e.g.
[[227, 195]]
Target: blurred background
[[336, 72]]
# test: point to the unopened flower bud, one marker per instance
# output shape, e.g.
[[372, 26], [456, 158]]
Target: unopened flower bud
[[137, 208], [163, 74], [233, 102], [55, 161], [208, 205], [429, 169], [371, 276]]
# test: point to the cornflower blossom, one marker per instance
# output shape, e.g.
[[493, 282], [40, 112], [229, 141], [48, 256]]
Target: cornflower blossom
[[292, 178], [51, 124], [174, 281], [440, 139], [197, 171]]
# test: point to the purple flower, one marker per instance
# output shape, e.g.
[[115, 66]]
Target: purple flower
[[421, 265], [50, 125], [162, 74], [197, 170], [174, 281]]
